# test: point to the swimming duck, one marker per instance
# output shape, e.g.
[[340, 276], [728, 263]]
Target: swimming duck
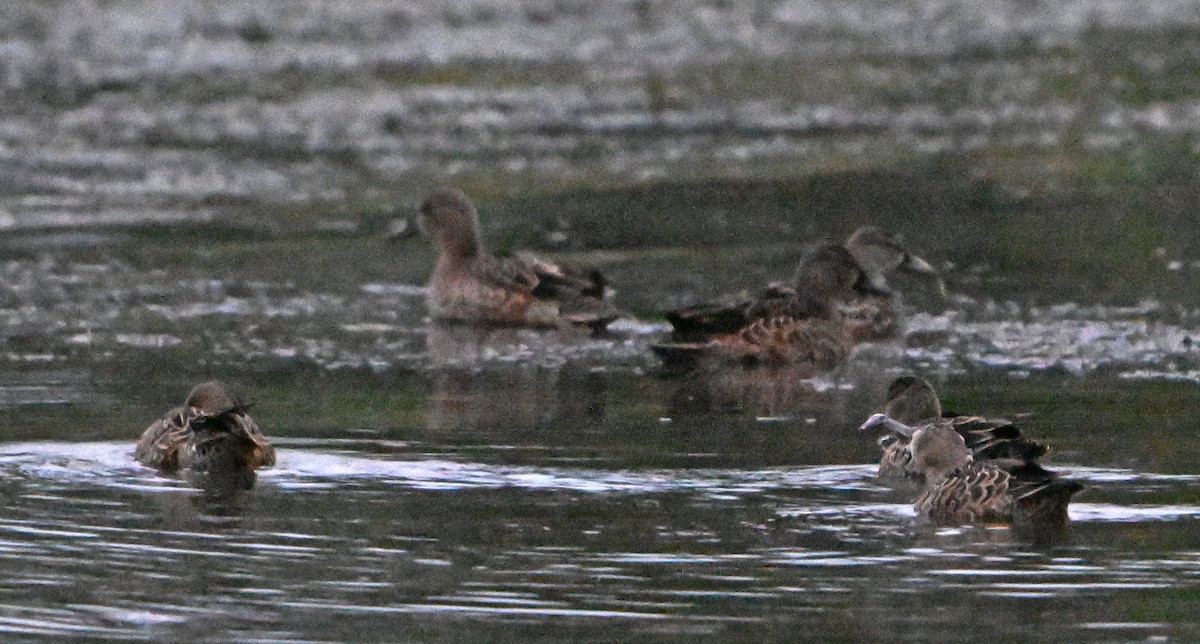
[[960, 489], [799, 328], [210, 433], [911, 400], [470, 284], [869, 311], [874, 316]]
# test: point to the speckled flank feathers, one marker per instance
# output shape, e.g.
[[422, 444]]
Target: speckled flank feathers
[[806, 331]]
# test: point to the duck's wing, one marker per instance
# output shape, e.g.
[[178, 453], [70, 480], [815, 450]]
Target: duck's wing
[[785, 302], [1000, 490], [810, 345], [261, 453], [587, 310], [735, 313], [895, 461], [582, 294], [257, 452], [1045, 505], [996, 438], [514, 274], [871, 317], [1040, 495], [974, 493], [705, 319], [555, 278], [160, 443], [821, 343]]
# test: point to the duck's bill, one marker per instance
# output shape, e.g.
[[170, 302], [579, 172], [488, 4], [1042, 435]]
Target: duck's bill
[[917, 266], [914, 264], [880, 422], [867, 286], [402, 228]]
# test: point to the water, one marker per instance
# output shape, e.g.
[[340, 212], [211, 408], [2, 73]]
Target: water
[[515, 500], [370, 537], [196, 191]]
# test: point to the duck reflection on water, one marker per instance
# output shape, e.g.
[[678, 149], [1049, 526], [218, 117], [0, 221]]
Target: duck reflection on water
[[488, 377], [760, 391]]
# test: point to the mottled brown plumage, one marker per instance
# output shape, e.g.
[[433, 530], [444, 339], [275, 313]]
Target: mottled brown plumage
[[818, 343], [869, 309], [470, 284], [913, 401], [211, 432], [807, 331], [960, 489]]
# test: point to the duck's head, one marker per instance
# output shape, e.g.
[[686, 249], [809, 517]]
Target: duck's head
[[828, 272], [880, 253], [450, 219], [911, 399], [211, 399], [937, 450]]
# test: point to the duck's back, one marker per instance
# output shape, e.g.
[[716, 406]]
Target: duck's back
[[182, 440], [821, 343], [230, 441], [517, 291], [1010, 490], [975, 493]]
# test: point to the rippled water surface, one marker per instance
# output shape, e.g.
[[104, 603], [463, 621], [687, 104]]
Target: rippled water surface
[[512, 499], [200, 190]]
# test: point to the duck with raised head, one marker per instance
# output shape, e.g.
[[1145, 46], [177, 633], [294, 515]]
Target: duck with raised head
[[960, 489], [870, 312], [469, 284], [211, 433], [875, 316], [801, 329], [911, 400]]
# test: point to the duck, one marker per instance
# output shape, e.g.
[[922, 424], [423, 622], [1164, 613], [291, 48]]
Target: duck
[[912, 400], [210, 433], [960, 489], [799, 328], [870, 312], [469, 284], [875, 316]]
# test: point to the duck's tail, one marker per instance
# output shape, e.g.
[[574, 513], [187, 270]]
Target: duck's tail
[[1041, 514]]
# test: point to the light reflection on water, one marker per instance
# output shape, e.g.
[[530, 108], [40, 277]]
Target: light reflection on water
[[438, 483], [404, 528], [549, 481]]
